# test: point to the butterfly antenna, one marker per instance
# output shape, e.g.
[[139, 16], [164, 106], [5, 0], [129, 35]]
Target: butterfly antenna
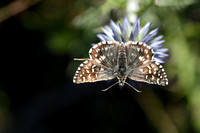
[[110, 87], [133, 87], [81, 59]]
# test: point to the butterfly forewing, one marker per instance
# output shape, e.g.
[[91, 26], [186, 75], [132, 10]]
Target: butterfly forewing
[[100, 66], [105, 53], [137, 53]]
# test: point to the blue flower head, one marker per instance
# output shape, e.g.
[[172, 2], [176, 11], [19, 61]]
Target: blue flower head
[[126, 32]]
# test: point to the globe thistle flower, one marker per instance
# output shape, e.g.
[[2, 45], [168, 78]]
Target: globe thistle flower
[[126, 32]]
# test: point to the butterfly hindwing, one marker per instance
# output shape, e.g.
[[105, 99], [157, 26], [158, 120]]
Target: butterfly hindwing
[[90, 71], [150, 72]]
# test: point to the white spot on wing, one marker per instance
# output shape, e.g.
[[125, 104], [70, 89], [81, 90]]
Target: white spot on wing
[[95, 46], [83, 79], [152, 77], [145, 61], [138, 49], [97, 50], [110, 42], [149, 67], [141, 58], [149, 71], [157, 63], [103, 57], [146, 51], [98, 61], [90, 51], [144, 44], [101, 69], [148, 47], [85, 62], [158, 81]]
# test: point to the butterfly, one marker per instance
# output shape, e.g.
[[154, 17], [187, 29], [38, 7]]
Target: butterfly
[[108, 60]]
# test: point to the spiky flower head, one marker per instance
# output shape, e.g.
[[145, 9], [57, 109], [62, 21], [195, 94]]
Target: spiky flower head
[[126, 32]]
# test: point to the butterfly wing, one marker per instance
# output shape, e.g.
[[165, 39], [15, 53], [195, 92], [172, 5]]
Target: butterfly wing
[[100, 66], [137, 53], [105, 53], [90, 71], [141, 65]]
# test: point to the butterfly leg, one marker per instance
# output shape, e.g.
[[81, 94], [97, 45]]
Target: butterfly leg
[[80, 59], [110, 87], [133, 87]]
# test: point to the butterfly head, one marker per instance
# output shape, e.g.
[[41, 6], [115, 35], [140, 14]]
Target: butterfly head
[[121, 81]]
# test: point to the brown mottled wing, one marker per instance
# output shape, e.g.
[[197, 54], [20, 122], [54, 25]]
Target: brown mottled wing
[[105, 53], [141, 65], [90, 71], [100, 66]]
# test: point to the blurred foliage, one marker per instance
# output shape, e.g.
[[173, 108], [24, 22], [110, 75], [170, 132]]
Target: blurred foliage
[[69, 27]]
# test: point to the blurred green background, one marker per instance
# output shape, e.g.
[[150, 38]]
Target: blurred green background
[[40, 38]]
